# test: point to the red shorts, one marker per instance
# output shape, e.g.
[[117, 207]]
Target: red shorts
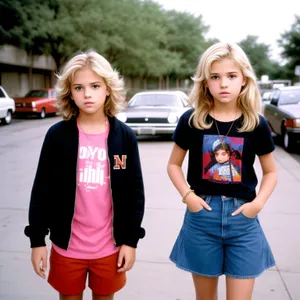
[[68, 275]]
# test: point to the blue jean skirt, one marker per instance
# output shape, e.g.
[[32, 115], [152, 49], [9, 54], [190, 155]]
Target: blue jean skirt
[[213, 243]]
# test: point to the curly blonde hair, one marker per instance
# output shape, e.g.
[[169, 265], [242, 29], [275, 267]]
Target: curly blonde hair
[[93, 61], [201, 99]]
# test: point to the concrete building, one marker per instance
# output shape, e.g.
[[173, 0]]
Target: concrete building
[[15, 71]]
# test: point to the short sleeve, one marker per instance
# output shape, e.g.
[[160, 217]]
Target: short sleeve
[[264, 142], [182, 132]]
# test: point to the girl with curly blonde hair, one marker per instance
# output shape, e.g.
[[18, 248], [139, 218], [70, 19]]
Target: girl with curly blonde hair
[[88, 190]]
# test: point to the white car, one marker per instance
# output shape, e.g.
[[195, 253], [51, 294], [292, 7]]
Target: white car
[[7, 107]]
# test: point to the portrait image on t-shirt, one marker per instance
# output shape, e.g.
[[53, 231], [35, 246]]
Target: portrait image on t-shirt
[[222, 159]]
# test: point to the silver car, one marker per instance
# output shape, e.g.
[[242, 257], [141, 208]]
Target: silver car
[[283, 115], [154, 112]]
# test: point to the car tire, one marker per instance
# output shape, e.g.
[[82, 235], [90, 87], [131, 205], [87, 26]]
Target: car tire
[[7, 120], [288, 141], [43, 113]]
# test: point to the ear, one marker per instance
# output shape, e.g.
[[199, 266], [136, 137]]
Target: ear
[[244, 82]]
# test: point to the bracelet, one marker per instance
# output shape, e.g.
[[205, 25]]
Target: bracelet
[[187, 193]]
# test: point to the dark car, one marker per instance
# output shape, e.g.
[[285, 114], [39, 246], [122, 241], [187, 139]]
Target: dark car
[[38, 102], [154, 112], [283, 115]]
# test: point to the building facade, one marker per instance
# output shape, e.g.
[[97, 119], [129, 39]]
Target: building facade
[[17, 68]]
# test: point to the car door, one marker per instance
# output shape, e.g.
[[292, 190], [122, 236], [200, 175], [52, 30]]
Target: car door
[[4, 103], [272, 112]]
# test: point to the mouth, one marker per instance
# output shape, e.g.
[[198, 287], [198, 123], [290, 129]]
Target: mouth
[[88, 103], [224, 93]]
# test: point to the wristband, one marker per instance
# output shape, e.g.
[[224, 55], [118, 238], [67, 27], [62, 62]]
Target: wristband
[[187, 193]]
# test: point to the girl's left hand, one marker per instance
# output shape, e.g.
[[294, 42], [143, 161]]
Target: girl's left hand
[[126, 258], [250, 209]]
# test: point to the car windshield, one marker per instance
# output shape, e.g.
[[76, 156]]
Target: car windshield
[[290, 97], [155, 100], [37, 93]]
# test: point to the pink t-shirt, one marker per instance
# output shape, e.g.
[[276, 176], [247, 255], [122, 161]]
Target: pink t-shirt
[[92, 222]]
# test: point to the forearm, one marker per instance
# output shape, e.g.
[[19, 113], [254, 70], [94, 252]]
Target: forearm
[[266, 188], [177, 177]]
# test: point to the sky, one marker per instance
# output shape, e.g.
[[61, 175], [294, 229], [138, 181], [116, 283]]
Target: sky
[[232, 20]]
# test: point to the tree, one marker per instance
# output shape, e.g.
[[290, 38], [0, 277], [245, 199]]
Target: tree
[[258, 54], [290, 42]]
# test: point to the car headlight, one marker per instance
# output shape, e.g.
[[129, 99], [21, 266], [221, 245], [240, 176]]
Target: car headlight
[[33, 104], [122, 117], [172, 118]]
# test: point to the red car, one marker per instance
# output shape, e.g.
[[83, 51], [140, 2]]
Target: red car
[[38, 102]]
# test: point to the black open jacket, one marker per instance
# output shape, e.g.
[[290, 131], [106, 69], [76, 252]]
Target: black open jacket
[[53, 194]]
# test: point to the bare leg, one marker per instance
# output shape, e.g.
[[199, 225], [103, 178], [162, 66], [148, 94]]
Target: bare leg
[[98, 297], [239, 289], [66, 297], [206, 287]]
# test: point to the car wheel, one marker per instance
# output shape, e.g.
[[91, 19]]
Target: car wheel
[[8, 118], [288, 141], [43, 113]]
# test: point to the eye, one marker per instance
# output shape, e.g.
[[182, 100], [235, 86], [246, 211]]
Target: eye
[[78, 88], [214, 77], [95, 86], [232, 76]]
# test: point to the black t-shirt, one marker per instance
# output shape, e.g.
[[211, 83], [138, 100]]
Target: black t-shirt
[[223, 166]]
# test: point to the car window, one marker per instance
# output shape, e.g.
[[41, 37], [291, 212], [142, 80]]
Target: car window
[[274, 97], [184, 99], [155, 100], [289, 97], [52, 93], [1, 94], [37, 93]]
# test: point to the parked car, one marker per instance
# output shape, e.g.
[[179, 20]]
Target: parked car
[[283, 115], [265, 99], [7, 107], [39, 102], [154, 112]]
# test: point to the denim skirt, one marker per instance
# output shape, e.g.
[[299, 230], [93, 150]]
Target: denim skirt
[[213, 243]]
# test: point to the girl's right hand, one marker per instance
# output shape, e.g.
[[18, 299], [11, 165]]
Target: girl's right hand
[[39, 260], [195, 203]]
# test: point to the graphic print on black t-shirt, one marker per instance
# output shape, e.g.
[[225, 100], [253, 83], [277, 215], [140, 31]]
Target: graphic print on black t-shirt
[[222, 159]]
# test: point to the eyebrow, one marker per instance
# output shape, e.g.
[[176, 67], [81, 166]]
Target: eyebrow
[[99, 82], [232, 72]]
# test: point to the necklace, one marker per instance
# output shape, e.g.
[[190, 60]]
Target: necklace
[[221, 136], [86, 135]]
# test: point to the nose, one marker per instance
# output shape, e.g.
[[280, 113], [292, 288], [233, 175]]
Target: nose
[[87, 93], [224, 83]]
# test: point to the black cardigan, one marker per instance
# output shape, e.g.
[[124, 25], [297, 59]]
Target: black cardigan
[[54, 189]]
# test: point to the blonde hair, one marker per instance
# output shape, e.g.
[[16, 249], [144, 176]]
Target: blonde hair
[[248, 100], [93, 61]]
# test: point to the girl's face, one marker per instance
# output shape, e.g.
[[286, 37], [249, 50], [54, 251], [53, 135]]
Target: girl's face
[[89, 91], [221, 156], [225, 81]]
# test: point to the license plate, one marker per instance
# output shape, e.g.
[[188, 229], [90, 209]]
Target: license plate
[[147, 130]]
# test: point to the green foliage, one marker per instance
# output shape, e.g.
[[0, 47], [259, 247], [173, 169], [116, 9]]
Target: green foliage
[[290, 42], [258, 54], [138, 37]]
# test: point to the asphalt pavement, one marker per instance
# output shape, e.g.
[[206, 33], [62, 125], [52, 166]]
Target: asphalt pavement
[[153, 277]]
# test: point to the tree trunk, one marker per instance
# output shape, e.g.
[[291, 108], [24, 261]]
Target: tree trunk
[[177, 83], [159, 82], [30, 79], [167, 82], [145, 83]]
